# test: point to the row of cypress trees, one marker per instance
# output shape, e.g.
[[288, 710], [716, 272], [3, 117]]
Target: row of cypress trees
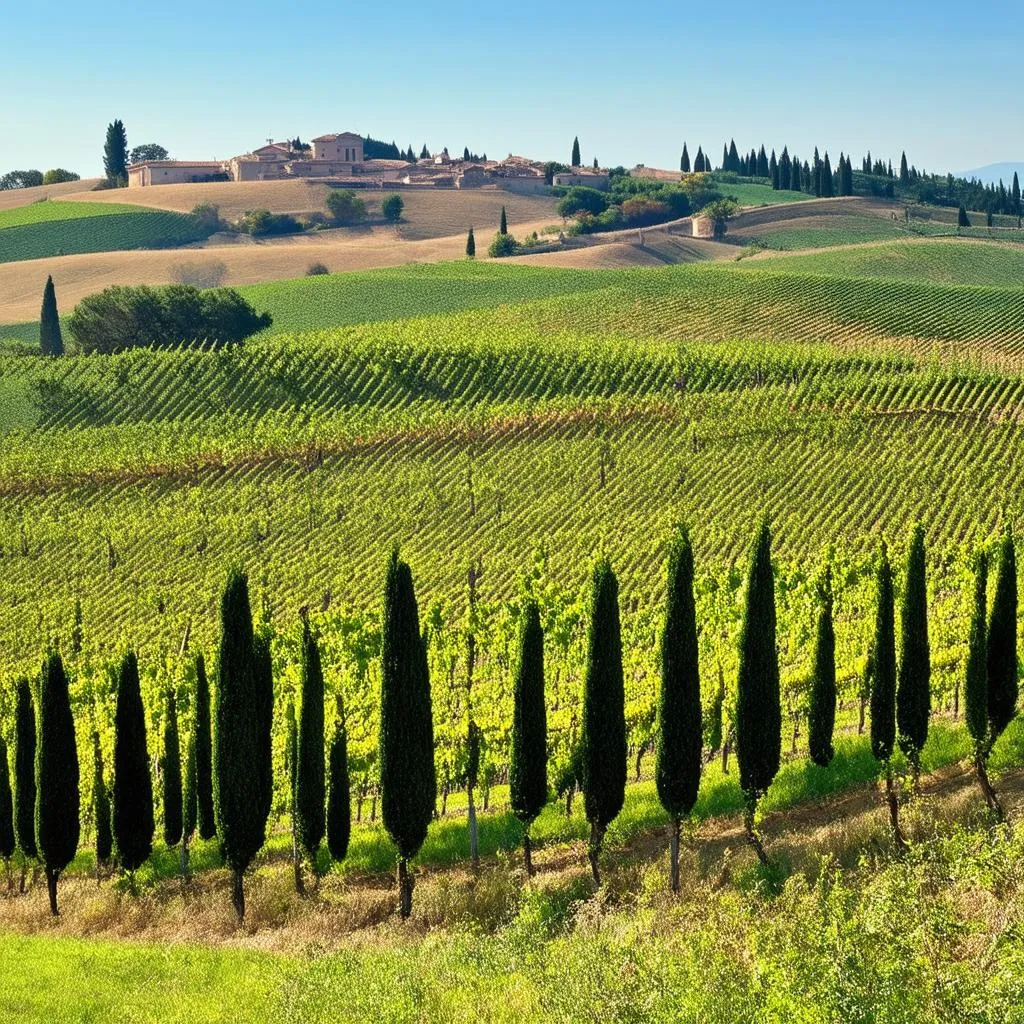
[[43, 809]]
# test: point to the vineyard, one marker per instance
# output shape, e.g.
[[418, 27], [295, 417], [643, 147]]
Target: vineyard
[[506, 426]]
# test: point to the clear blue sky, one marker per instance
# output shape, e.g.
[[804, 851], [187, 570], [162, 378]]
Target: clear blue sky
[[209, 79]]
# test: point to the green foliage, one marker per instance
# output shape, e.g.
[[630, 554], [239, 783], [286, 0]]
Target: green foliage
[[7, 841], [122, 317], [502, 245], [528, 752], [172, 784], [582, 200], [913, 694], [470, 244], [57, 786], [680, 732], [503, 224], [115, 154], [147, 151], [391, 207], [263, 675], [962, 220], [883, 690], [603, 735], [238, 735], [51, 343], [25, 770], [976, 672], [408, 785], [202, 736], [262, 223], [58, 175], [133, 788], [309, 769], [822, 717], [1002, 641], [339, 806], [758, 708], [101, 805], [575, 157], [190, 796], [345, 207], [20, 179]]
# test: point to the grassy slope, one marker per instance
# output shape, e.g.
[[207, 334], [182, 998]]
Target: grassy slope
[[41, 212]]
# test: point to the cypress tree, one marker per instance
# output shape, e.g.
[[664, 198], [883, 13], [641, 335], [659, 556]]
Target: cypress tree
[[827, 185], [310, 794], [883, 690], [133, 788], [291, 763], [976, 683], [57, 791], [1015, 196], [1002, 643], [823, 684], [603, 737], [913, 693], [680, 726], [758, 709], [733, 157], [699, 165], [408, 784], [173, 824], [684, 161], [264, 678], [25, 772], [51, 342], [575, 162], [962, 220], [189, 802], [339, 803], [725, 157], [204, 753], [503, 226], [528, 774], [7, 843], [101, 807], [238, 755], [115, 154], [763, 170], [904, 172], [470, 244]]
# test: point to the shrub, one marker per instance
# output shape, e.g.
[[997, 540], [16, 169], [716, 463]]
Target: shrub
[[58, 175], [259, 223], [121, 317], [641, 212], [345, 207], [582, 200], [502, 245], [719, 213], [392, 207], [208, 216], [199, 273], [316, 270]]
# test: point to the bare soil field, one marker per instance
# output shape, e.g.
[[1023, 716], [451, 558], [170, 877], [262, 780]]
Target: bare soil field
[[248, 262], [429, 213]]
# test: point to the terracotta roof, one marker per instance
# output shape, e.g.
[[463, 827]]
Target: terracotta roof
[[338, 135], [177, 163]]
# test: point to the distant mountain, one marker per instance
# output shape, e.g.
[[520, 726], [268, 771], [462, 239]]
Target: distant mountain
[[991, 173]]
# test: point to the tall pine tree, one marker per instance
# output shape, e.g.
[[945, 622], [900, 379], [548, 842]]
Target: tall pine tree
[[758, 708], [503, 223], [310, 794], [823, 683], [470, 244], [115, 154], [25, 772], [57, 787], [684, 161], [913, 693], [575, 161], [101, 807], [528, 778], [680, 727], [173, 823], [133, 788], [204, 752], [51, 342], [603, 739], [408, 784], [339, 806]]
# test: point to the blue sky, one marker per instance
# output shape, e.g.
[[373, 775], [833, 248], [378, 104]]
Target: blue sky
[[209, 80]]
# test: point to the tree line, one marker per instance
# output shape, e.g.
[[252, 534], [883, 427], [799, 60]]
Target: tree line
[[221, 784]]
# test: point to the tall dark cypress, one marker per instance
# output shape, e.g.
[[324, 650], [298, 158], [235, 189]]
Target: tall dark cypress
[[603, 737], [189, 801], [204, 753], [339, 800], [173, 823], [823, 684], [7, 843], [408, 783], [684, 161], [528, 765], [680, 725], [576, 152], [115, 154], [913, 693], [1002, 643], [101, 806], [264, 679], [503, 225], [51, 342], [57, 787], [758, 708], [238, 755], [25, 771], [310, 794], [883, 690], [470, 244], [133, 788]]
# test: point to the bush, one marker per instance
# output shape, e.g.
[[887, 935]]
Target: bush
[[392, 207], [259, 223], [58, 175], [316, 270], [503, 245], [121, 317], [199, 273], [719, 213], [641, 212], [208, 216], [582, 200], [345, 206]]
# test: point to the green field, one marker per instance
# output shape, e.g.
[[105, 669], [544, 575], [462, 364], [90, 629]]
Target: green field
[[63, 228], [753, 193]]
